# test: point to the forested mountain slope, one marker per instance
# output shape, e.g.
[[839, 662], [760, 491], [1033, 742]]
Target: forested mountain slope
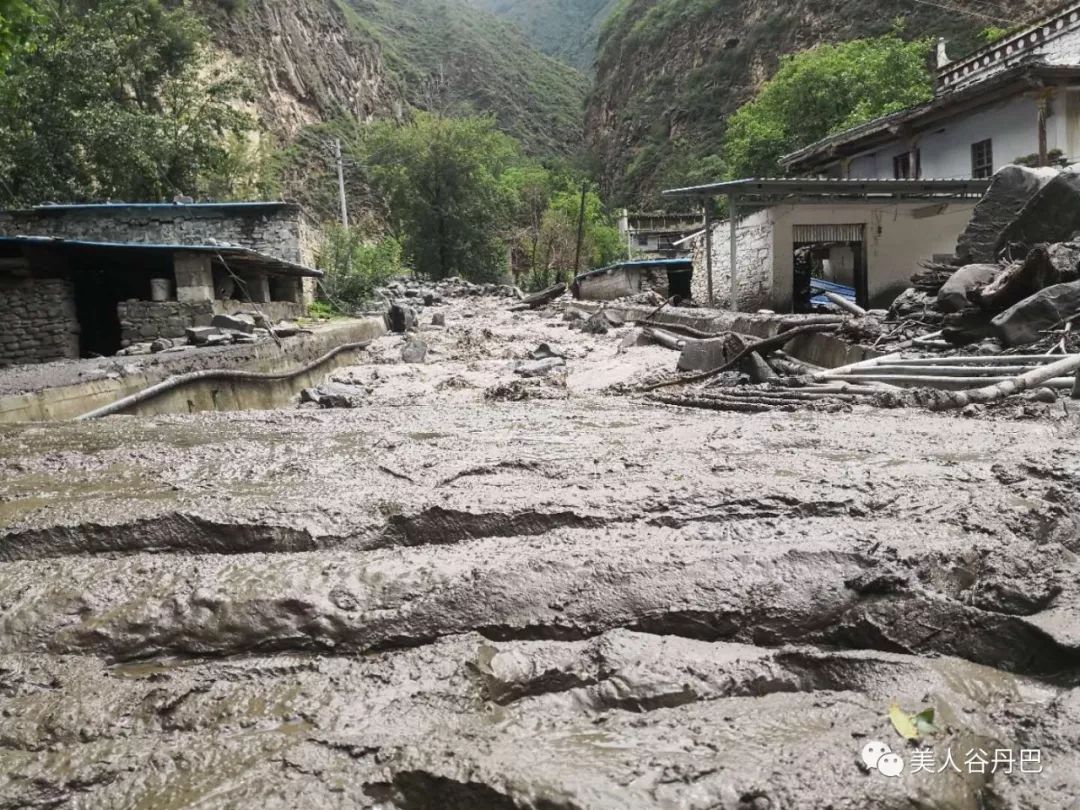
[[312, 59], [566, 29]]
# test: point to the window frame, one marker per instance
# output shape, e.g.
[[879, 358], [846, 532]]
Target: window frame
[[982, 159]]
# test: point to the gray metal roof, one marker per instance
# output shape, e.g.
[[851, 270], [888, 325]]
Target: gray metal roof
[[765, 189], [1023, 76], [234, 255], [240, 207]]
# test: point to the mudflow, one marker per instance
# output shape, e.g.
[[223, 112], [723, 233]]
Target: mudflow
[[482, 591]]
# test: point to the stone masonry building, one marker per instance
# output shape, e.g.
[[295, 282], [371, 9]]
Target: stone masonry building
[[82, 280]]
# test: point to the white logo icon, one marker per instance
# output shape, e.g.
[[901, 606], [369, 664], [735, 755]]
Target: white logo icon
[[878, 756]]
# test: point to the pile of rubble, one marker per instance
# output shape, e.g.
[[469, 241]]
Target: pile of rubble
[[224, 330]]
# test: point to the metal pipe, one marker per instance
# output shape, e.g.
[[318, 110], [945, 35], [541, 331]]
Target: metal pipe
[[181, 380], [733, 219]]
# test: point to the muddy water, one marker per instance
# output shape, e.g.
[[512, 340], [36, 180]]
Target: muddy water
[[559, 597]]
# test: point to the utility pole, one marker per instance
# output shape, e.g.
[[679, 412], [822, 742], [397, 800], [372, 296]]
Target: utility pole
[[580, 229], [341, 182]]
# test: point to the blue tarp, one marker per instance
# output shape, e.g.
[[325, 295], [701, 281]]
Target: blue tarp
[[820, 285]]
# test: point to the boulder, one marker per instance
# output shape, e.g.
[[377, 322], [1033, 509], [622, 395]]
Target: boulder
[[1065, 256], [539, 368], [954, 294], [286, 329], [1051, 215], [414, 351], [236, 323], [161, 344], [402, 318], [200, 335], [1011, 189], [1022, 323], [333, 395], [706, 355], [546, 350], [438, 319]]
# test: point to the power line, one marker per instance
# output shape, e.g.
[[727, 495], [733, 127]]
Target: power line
[[978, 14]]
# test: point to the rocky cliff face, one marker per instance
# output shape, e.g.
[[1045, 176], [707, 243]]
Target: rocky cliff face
[[670, 72], [308, 60]]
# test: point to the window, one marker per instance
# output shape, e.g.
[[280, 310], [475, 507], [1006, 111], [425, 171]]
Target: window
[[982, 159], [902, 168], [643, 240]]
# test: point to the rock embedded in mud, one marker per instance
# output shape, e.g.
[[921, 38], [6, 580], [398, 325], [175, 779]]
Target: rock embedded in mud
[[414, 351], [539, 368], [954, 293], [235, 323], [1025, 322]]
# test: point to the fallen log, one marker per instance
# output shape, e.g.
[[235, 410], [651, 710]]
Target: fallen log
[[1052, 375], [665, 339], [846, 305], [762, 347], [542, 298]]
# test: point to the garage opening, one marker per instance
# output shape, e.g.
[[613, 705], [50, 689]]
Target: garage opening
[[829, 258]]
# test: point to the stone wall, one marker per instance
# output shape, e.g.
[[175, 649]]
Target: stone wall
[[754, 264], [141, 321], [276, 229], [38, 322]]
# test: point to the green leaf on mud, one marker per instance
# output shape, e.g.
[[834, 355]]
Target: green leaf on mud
[[924, 722], [902, 722]]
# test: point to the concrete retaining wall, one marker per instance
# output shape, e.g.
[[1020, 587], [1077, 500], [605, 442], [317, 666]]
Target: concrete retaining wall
[[70, 401]]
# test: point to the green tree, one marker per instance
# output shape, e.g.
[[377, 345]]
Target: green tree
[[15, 18], [545, 237], [118, 99], [822, 91], [355, 266], [440, 180]]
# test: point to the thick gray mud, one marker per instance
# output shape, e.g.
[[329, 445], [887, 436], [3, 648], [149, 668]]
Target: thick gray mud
[[564, 598]]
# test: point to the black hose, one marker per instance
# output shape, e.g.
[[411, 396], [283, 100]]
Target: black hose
[[180, 380]]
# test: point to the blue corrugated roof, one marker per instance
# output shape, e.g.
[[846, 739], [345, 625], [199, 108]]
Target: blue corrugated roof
[[820, 285]]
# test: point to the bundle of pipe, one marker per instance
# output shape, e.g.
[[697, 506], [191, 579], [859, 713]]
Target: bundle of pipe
[[946, 373]]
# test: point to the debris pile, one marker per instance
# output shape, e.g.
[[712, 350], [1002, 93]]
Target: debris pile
[[224, 330]]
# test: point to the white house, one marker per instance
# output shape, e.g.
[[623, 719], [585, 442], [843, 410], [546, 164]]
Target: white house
[[1017, 100]]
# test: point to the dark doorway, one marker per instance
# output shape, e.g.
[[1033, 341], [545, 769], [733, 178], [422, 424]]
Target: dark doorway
[[680, 283], [95, 305], [841, 264], [102, 280]]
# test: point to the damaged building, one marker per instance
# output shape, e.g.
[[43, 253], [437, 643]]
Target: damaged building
[[85, 280]]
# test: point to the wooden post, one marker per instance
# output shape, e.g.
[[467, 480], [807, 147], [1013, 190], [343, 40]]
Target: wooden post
[[580, 231], [708, 249], [733, 218], [341, 182], [1044, 155]]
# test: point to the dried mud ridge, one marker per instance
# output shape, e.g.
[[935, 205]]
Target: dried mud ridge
[[439, 602]]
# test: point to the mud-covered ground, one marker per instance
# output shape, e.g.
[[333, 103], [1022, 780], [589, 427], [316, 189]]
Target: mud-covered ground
[[477, 592]]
